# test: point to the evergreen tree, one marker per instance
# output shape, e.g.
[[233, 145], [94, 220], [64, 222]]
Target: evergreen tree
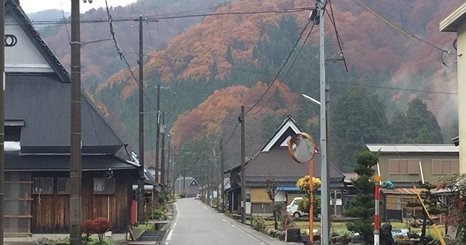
[[398, 128], [358, 118], [362, 205], [421, 124], [229, 55]]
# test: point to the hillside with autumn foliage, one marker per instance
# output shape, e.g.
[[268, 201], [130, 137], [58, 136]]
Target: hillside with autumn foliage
[[233, 56]]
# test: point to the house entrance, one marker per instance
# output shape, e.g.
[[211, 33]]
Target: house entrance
[[17, 209]]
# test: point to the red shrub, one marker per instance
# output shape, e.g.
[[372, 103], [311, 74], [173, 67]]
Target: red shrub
[[98, 226]]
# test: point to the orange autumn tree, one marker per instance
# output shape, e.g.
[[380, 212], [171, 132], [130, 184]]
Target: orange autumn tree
[[303, 185]]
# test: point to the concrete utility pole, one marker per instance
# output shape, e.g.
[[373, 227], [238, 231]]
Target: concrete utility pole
[[2, 116], [243, 166], [323, 130], [141, 127], [162, 155], [157, 136], [75, 148]]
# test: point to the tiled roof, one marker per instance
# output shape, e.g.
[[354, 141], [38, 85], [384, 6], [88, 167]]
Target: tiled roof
[[277, 164], [413, 148]]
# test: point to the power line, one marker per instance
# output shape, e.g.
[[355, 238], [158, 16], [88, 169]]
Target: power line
[[395, 88], [231, 135], [122, 55], [300, 51], [400, 29], [156, 18], [296, 58], [281, 68], [338, 37]]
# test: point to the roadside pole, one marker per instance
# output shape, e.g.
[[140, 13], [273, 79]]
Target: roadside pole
[[376, 209]]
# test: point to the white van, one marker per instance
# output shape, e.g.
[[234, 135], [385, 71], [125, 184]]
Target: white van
[[292, 208]]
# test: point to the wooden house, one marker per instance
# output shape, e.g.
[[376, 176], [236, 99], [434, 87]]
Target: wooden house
[[186, 187], [273, 165], [37, 142]]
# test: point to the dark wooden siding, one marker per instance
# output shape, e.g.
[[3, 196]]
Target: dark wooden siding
[[50, 213]]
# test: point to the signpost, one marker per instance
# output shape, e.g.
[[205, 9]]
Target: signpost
[[301, 148]]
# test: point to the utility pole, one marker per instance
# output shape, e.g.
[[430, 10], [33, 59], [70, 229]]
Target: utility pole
[[243, 166], [323, 130], [169, 161], [75, 144], [2, 116], [222, 169], [141, 127], [157, 135], [209, 179], [162, 155], [174, 172]]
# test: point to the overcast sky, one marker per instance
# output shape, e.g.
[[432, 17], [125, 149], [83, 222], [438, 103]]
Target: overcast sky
[[31, 6]]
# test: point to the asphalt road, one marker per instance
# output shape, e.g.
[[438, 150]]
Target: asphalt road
[[197, 223]]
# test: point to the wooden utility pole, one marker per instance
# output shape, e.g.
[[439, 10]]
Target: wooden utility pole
[[157, 136], [209, 180], [169, 161], [222, 169], [141, 181], [2, 116], [243, 167], [75, 148]]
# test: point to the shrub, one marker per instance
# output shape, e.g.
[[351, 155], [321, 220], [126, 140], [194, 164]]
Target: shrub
[[258, 223], [159, 214], [97, 226]]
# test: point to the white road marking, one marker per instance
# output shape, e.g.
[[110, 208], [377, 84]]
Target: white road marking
[[169, 237]]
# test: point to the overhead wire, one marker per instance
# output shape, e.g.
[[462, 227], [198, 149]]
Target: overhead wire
[[66, 26], [395, 88], [156, 18], [123, 57], [287, 59], [300, 50], [400, 29], [338, 37], [231, 134], [297, 57]]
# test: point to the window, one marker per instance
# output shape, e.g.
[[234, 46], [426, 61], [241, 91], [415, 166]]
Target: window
[[13, 130], [403, 166], [63, 185], [445, 166], [103, 185], [42, 185]]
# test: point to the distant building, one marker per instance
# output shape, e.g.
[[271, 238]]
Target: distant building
[[406, 165], [186, 187]]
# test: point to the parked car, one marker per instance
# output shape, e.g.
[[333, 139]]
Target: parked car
[[400, 233], [292, 208]]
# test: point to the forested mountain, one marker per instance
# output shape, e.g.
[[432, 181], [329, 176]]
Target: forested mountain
[[396, 89]]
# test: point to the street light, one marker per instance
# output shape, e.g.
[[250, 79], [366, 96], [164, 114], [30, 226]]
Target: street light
[[323, 169], [309, 98]]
